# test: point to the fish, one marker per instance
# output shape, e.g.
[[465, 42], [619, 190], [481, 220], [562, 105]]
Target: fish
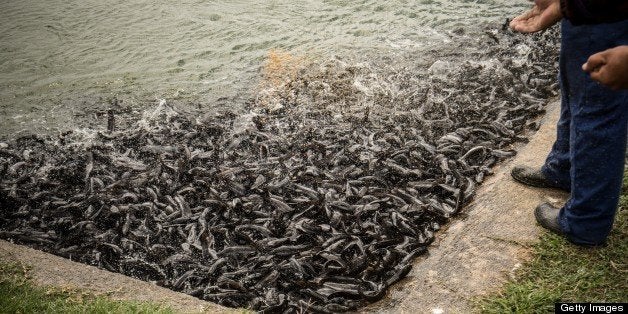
[[321, 206]]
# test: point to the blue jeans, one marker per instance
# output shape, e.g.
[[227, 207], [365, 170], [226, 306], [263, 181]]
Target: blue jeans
[[588, 155]]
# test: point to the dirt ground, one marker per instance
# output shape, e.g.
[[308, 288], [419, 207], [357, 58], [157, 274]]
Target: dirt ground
[[478, 251]]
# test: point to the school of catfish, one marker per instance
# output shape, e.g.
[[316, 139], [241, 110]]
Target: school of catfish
[[319, 204]]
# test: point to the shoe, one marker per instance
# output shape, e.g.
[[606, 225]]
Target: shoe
[[533, 177], [547, 216]]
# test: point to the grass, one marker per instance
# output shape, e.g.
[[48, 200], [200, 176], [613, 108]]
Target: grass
[[562, 272], [19, 295]]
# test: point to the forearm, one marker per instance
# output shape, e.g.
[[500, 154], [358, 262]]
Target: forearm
[[594, 11]]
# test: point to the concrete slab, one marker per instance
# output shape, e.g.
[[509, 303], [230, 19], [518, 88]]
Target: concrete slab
[[51, 270]]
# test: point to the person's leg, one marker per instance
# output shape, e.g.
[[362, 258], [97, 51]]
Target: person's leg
[[597, 135], [557, 164], [555, 172]]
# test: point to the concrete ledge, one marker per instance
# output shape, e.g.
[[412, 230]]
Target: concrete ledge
[[52, 270]]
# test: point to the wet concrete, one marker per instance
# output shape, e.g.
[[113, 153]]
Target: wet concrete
[[477, 252], [483, 247]]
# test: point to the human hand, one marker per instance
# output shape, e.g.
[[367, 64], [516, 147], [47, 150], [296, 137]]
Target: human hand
[[609, 67], [543, 14]]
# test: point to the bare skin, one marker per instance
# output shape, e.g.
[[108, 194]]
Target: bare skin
[[543, 14], [609, 67]]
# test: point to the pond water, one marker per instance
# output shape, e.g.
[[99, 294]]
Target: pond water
[[62, 61]]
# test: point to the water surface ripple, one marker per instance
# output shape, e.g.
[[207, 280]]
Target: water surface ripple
[[58, 58]]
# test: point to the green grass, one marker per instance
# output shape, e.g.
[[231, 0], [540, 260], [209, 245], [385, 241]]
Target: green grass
[[560, 271], [19, 295]]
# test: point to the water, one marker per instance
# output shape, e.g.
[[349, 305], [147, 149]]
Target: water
[[62, 61]]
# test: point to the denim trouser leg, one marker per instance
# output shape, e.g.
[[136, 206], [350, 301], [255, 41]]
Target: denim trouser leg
[[557, 164], [590, 149]]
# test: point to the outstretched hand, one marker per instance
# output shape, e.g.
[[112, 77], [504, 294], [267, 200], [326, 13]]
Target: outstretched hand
[[543, 14], [609, 67]]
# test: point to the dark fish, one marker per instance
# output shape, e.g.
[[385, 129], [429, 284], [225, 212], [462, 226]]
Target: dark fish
[[319, 206]]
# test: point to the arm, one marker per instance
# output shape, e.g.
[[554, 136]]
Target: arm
[[543, 14], [546, 13]]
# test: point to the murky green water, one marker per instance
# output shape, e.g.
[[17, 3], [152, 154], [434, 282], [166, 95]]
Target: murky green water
[[60, 61]]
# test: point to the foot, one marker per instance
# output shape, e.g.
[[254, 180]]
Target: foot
[[547, 216], [533, 177]]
